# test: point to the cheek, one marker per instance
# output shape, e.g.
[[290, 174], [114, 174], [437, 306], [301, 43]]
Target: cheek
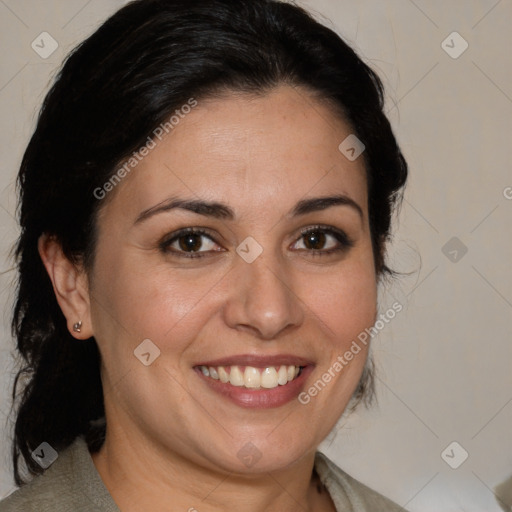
[[137, 299], [345, 301]]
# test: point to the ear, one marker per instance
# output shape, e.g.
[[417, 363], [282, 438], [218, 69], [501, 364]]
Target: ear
[[69, 285]]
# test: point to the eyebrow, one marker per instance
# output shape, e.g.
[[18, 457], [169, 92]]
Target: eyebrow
[[222, 211]]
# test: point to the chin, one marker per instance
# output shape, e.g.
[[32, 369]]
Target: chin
[[262, 454]]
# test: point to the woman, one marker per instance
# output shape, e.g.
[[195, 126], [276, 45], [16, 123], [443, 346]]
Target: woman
[[205, 205]]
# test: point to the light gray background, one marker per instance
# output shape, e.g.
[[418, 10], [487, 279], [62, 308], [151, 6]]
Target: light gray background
[[445, 362]]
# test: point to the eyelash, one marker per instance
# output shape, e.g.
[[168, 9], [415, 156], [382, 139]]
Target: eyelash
[[344, 241]]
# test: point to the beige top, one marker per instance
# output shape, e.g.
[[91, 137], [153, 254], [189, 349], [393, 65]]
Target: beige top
[[72, 484]]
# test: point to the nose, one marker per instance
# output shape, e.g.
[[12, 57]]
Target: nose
[[262, 299]]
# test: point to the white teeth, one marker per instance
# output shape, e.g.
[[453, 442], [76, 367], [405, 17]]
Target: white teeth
[[223, 374], [236, 377], [252, 377], [282, 375], [269, 378]]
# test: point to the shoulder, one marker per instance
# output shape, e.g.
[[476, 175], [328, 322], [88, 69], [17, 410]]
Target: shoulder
[[39, 495], [348, 493], [42, 492], [70, 483]]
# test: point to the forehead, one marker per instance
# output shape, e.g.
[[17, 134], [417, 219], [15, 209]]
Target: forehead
[[269, 150]]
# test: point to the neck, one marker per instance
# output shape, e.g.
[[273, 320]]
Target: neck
[[151, 479]]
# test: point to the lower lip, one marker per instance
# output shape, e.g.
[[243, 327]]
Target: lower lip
[[259, 398]]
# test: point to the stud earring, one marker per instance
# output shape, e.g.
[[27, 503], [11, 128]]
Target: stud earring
[[77, 327]]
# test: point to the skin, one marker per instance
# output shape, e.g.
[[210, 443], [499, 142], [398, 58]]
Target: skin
[[170, 439]]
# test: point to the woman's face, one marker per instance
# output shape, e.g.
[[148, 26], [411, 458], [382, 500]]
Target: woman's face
[[279, 276]]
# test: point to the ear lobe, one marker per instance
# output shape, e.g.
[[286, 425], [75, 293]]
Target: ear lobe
[[69, 285]]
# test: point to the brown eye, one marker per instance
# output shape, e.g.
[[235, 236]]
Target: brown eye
[[320, 240], [190, 243], [314, 240]]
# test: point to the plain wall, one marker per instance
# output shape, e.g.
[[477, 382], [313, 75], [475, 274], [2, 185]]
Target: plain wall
[[444, 363]]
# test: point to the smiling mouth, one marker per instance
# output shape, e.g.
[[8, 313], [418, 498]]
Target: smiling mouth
[[252, 377]]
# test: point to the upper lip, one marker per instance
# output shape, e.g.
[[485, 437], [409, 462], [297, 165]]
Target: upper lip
[[259, 361]]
